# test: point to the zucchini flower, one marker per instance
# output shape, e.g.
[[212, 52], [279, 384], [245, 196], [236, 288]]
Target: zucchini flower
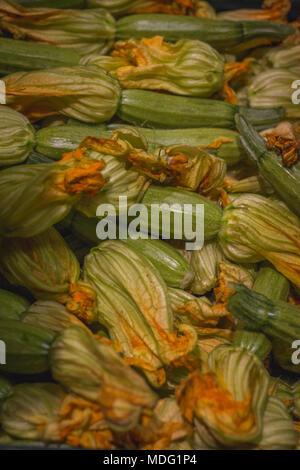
[[274, 88], [17, 137], [227, 401], [52, 316], [48, 268], [12, 305], [83, 30], [205, 264], [272, 284], [255, 228], [51, 191], [94, 371], [284, 57], [88, 94], [44, 412], [276, 319], [119, 179], [272, 10], [278, 432], [166, 428], [191, 68], [195, 311], [137, 316]]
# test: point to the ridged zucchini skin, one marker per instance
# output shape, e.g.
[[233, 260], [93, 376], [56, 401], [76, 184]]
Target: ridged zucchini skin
[[222, 34], [54, 141], [157, 110], [12, 305], [279, 321], [53, 3], [16, 56], [168, 195], [173, 267], [27, 347], [229, 151], [272, 284]]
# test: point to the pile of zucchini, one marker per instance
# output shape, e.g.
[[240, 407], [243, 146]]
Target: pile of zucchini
[[140, 343]]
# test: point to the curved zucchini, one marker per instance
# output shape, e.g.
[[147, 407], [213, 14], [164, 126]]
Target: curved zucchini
[[223, 35], [27, 347], [157, 110]]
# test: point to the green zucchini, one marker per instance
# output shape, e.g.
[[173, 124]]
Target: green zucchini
[[157, 110], [54, 141], [27, 347], [279, 321], [12, 305], [16, 56], [53, 3], [206, 136], [272, 284], [223, 35], [168, 195], [173, 267], [254, 342]]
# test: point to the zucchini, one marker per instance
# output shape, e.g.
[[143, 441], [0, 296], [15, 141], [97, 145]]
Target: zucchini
[[173, 267], [254, 342], [53, 3], [16, 56], [12, 305], [279, 321], [168, 195], [157, 110], [54, 141], [27, 347], [223, 35], [272, 284], [203, 137]]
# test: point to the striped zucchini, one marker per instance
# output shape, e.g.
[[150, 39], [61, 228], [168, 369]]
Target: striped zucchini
[[168, 195], [16, 56], [272, 284], [224, 35], [278, 320], [27, 347], [53, 142], [53, 3], [158, 110], [173, 267]]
